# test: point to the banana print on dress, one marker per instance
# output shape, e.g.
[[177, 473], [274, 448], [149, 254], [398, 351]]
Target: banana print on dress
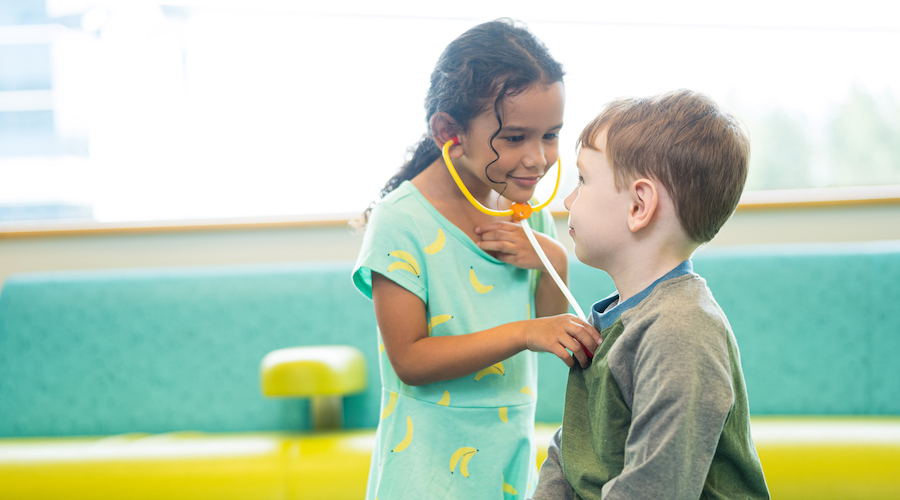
[[429, 258], [437, 245], [437, 320], [390, 406], [495, 369], [477, 285], [462, 457], [407, 262], [407, 439], [508, 488]]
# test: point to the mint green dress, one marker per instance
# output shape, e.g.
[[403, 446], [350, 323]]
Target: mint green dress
[[471, 437]]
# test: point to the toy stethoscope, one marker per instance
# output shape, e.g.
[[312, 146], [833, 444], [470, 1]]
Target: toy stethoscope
[[519, 212]]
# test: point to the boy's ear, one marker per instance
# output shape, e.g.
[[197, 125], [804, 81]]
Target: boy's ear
[[444, 128], [644, 201]]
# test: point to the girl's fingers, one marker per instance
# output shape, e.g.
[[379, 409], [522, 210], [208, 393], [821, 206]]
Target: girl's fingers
[[587, 335], [500, 236], [583, 335], [498, 246], [564, 355], [497, 226], [577, 351]]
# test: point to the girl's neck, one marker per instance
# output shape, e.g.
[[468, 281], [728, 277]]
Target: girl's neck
[[438, 187]]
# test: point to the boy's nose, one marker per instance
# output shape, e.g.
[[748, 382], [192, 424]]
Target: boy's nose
[[569, 199]]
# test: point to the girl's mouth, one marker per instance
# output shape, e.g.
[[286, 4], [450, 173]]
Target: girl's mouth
[[525, 181]]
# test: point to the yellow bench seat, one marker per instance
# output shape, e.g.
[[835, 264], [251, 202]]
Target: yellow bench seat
[[803, 458]]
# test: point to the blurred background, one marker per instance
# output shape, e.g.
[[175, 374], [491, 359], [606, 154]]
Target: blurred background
[[142, 110]]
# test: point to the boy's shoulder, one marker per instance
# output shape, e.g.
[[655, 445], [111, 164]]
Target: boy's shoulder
[[683, 298], [679, 313]]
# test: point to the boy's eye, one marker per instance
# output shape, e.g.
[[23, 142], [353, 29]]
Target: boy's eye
[[580, 179], [551, 136]]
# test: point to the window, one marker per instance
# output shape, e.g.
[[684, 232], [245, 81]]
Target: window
[[143, 110]]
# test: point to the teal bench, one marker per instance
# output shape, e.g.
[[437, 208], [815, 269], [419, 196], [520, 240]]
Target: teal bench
[[89, 357]]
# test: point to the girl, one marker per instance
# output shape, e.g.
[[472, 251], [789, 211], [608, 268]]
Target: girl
[[454, 289]]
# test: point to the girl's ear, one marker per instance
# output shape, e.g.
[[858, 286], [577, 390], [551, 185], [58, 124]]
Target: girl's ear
[[644, 201], [444, 128]]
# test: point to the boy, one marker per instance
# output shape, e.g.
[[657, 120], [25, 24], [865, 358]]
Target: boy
[[662, 412]]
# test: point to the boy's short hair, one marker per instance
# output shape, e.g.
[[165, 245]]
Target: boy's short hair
[[682, 139]]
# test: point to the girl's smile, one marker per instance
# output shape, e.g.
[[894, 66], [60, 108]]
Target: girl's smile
[[527, 144], [526, 181]]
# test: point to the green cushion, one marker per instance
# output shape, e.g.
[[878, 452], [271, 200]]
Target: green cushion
[[161, 350]]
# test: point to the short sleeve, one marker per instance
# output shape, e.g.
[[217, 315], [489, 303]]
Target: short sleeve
[[392, 246]]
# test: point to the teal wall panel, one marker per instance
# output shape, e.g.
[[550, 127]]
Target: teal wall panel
[[885, 340], [158, 350], [105, 352], [801, 325]]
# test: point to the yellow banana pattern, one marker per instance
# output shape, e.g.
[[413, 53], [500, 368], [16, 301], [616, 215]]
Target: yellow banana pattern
[[407, 262], [401, 266], [390, 406], [527, 390], [406, 440], [437, 320], [508, 488], [438, 243], [480, 288], [427, 412], [495, 369], [462, 457]]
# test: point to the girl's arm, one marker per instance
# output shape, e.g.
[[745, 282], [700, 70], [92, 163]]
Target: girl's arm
[[419, 359]]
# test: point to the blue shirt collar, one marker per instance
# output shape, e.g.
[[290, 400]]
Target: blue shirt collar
[[604, 319]]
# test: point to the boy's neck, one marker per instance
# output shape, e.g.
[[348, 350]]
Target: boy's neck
[[651, 251], [642, 269]]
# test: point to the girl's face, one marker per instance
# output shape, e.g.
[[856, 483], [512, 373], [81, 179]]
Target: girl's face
[[528, 143]]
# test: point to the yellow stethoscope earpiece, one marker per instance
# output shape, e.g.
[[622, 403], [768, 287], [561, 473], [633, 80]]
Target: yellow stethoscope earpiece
[[518, 211]]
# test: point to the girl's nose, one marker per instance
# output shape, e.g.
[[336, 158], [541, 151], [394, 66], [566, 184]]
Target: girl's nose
[[535, 157]]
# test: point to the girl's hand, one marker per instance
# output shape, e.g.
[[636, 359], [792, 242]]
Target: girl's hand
[[555, 334], [507, 242]]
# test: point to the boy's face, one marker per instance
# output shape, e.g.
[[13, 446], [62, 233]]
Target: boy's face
[[597, 210]]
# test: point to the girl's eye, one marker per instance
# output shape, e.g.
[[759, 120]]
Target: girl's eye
[[580, 179], [516, 138]]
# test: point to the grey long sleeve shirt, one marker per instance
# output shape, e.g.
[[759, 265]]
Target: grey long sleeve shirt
[[662, 412]]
